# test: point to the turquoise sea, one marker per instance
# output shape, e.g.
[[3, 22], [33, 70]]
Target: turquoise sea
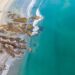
[[54, 52]]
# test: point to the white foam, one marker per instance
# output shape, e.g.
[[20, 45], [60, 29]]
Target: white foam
[[30, 7], [36, 28]]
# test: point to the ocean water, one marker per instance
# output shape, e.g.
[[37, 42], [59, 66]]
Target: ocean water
[[54, 47]]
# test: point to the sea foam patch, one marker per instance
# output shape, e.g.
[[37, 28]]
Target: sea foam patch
[[29, 9], [36, 28]]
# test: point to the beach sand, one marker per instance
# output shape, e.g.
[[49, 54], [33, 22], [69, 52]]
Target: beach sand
[[3, 58], [4, 5], [16, 67], [13, 65]]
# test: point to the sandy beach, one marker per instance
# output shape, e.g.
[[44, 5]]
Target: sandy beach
[[16, 67], [13, 64], [4, 6]]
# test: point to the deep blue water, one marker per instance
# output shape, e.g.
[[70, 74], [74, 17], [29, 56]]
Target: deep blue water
[[54, 53]]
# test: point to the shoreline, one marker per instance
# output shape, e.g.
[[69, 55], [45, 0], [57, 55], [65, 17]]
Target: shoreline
[[15, 61], [29, 9], [35, 31]]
